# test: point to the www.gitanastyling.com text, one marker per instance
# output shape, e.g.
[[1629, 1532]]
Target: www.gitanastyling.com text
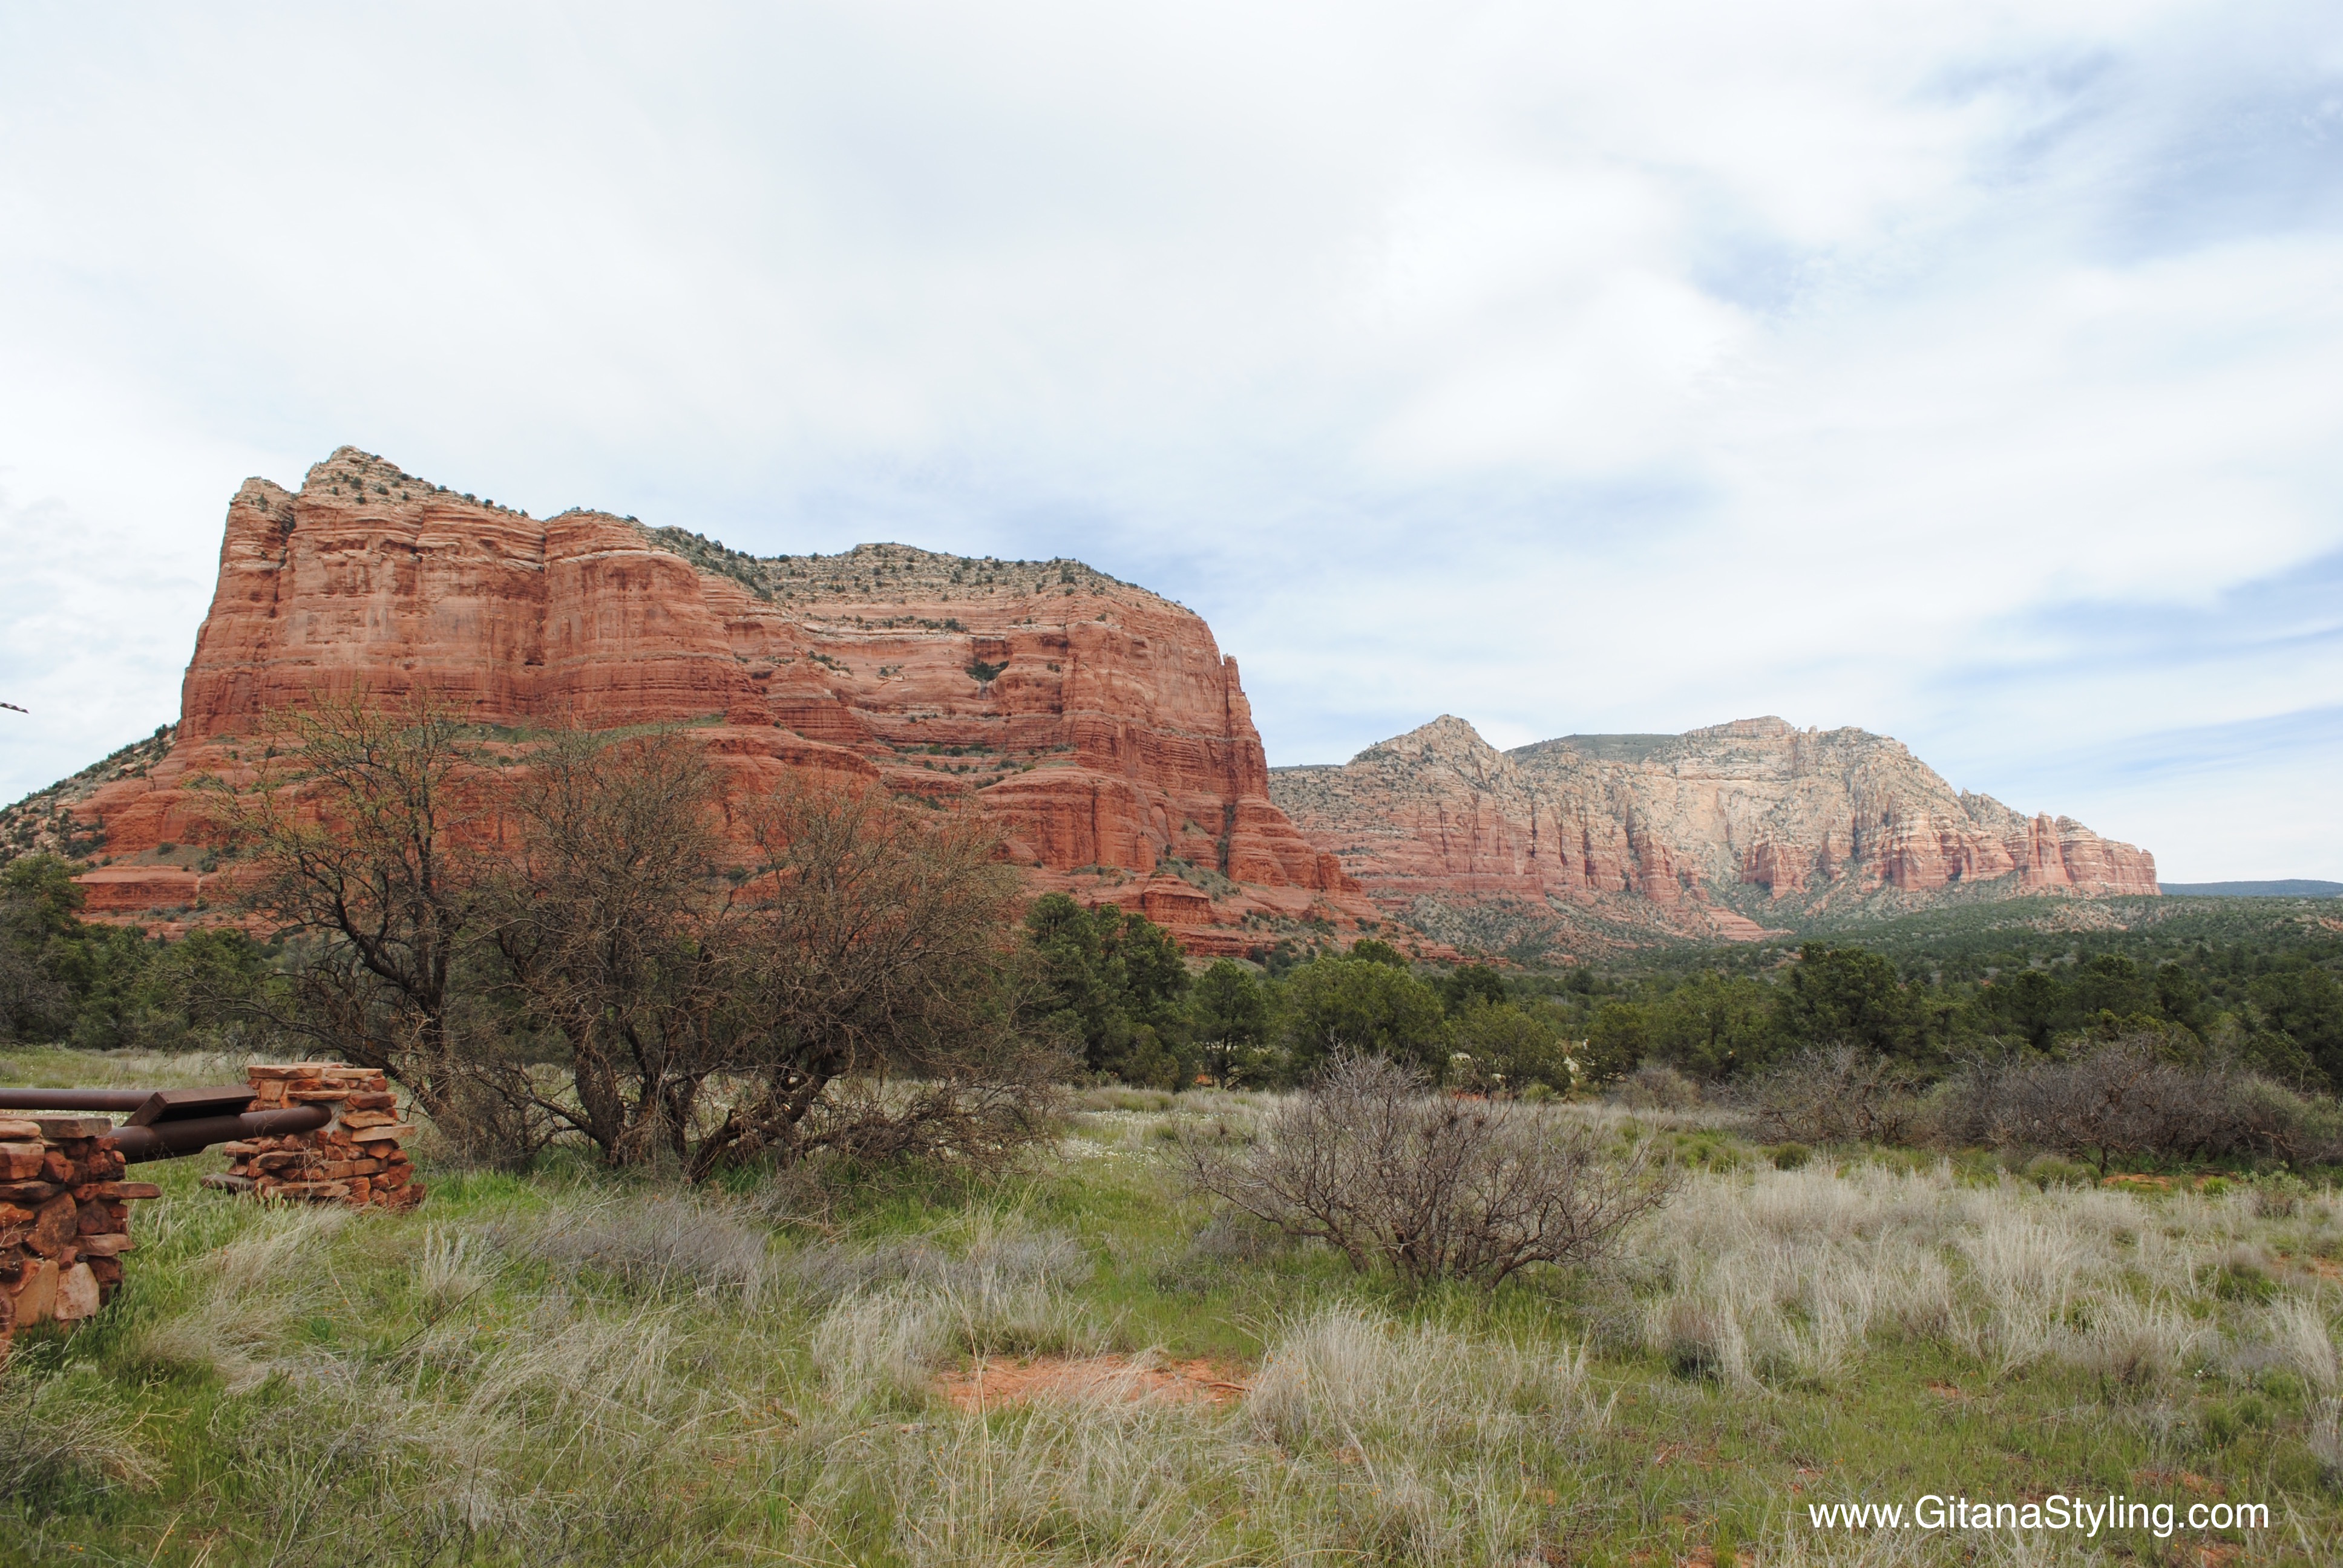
[[2089, 1516]]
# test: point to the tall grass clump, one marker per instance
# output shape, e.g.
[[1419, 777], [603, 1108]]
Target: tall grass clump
[[654, 1242], [1363, 1436], [63, 1439]]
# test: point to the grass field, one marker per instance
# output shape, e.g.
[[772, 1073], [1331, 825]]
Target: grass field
[[571, 1368]]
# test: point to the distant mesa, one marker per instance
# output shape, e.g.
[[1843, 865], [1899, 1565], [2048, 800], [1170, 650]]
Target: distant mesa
[[2284, 888], [1106, 736], [1731, 831]]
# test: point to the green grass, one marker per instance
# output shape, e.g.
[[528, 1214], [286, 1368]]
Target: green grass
[[567, 1367]]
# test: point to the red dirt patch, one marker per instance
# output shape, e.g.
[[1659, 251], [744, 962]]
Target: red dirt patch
[[992, 1385]]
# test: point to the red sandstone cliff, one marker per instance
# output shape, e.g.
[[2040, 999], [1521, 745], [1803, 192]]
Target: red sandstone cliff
[[1097, 723], [1655, 831]]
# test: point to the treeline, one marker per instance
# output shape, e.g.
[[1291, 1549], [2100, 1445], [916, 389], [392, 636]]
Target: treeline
[[2280, 1014], [114, 987], [1115, 983], [1115, 990], [1118, 983]]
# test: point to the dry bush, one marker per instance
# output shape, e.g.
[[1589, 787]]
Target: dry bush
[[1369, 1162], [1656, 1086], [2273, 1121], [1835, 1094], [2127, 1099], [983, 1110], [2123, 1098]]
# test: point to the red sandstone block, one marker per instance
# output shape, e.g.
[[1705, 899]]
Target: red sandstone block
[[122, 1190], [62, 1128], [99, 1217], [58, 1222]]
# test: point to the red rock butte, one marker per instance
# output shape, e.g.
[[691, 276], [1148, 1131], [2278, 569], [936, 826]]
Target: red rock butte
[[1665, 834], [1096, 724]]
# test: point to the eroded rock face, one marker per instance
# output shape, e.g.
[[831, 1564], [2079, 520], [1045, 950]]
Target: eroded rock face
[[1657, 830], [1095, 722]]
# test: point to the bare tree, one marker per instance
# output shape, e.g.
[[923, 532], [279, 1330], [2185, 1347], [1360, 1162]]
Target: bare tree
[[884, 933], [1387, 1173], [841, 980], [1835, 1094], [720, 980], [360, 825], [621, 935]]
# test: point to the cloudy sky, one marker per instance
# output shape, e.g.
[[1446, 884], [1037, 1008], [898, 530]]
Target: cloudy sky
[[1972, 372]]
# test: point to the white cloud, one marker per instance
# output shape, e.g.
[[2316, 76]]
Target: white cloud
[[1569, 368]]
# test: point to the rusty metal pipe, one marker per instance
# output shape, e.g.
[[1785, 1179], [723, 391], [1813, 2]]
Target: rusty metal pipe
[[74, 1098], [169, 1140]]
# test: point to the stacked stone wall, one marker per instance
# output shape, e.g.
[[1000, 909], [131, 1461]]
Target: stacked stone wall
[[64, 1218], [356, 1160]]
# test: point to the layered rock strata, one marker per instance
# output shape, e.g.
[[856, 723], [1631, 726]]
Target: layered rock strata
[[1096, 723], [1665, 832]]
